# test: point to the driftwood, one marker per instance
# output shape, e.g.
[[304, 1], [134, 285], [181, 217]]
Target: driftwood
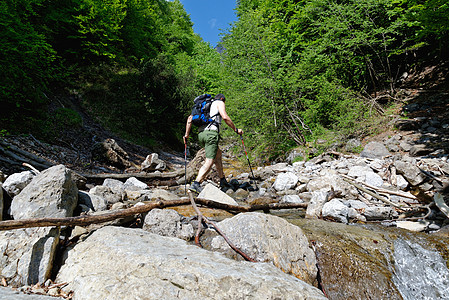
[[373, 194], [87, 220], [384, 191]]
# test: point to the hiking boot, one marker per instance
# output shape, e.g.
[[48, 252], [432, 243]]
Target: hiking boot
[[195, 187]]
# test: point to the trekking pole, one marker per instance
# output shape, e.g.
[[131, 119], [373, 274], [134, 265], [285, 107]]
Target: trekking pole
[[185, 167], [247, 158]]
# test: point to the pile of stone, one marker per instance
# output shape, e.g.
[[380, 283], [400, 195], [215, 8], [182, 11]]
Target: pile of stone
[[156, 261], [374, 186]]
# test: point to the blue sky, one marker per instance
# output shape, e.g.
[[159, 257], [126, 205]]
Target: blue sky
[[209, 16]]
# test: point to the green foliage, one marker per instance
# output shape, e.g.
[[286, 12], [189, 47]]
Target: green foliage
[[292, 70], [27, 62]]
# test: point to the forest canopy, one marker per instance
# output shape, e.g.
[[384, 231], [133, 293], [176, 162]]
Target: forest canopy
[[291, 70]]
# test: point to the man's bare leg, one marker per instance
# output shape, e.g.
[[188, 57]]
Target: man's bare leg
[[204, 170], [219, 164]]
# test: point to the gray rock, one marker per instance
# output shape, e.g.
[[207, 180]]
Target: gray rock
[[352, 145], [211, 192], [52, 193], [93, 201], [285, 181], [106, 193], [373, 179], [419, 150], [26, 255], [316, 204], [267, 238], [291, 199], [405, 146], [374, 150], [413, 226], [114, 184], [153, 163], [16, 182], [401, 183], [410, 172], [123, 263], [133, 184], [336, 209], [167, 222], [378, 212], [160, 194]]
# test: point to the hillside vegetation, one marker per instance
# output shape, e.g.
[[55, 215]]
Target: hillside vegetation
[[292, 71]]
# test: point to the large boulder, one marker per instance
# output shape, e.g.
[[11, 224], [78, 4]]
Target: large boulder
[[267, 238], [52, 193], [123, 263], [375, 150], [27, 255]]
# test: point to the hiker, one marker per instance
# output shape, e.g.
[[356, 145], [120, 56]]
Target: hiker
[[209, 136]]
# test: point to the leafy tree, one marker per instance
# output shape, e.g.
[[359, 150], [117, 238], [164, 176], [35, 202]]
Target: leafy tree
[[27, 61]]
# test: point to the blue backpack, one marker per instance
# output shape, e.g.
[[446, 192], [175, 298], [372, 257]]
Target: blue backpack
[[201, 110]]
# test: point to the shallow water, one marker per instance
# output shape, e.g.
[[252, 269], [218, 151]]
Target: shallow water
[[419, 273]]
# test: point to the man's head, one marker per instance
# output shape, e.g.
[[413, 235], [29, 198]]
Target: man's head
[[220, 97]]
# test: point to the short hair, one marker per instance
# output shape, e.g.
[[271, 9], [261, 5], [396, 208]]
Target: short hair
[[220, 97]]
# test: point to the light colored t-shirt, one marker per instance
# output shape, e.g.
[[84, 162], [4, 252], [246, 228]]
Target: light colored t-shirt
[[213, 111]]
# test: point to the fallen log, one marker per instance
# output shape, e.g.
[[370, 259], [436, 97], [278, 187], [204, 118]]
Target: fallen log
[[17, 160], [26, 155], [87, 220]]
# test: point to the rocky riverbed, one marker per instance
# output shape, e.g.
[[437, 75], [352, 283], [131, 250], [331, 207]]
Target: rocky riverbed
[[373, 225]]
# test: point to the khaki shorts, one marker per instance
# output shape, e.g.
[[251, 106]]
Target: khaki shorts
[[209, 140]]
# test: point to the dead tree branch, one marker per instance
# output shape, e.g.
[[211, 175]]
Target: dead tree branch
[[87, 220]]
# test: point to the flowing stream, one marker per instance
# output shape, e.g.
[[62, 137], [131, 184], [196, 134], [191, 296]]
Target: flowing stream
[[419, 273]]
